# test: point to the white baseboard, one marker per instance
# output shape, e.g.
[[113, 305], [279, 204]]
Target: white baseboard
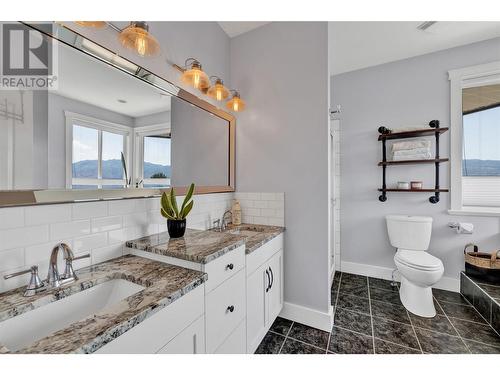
[[446, 283], [307, 316]]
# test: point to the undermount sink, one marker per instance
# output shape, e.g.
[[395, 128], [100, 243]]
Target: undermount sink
[[246, 230], [22, 330]]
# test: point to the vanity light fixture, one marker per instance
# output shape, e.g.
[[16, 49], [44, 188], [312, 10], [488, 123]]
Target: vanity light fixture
[[94, 24], [194, 75], [236, 104], [218, 91], [136, 37]]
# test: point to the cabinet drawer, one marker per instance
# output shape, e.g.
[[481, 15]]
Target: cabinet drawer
[[236, 342], [154, 332], [224, 267], [262, 254], [220, 320]]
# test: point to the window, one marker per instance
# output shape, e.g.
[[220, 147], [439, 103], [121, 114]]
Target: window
[[475, 140], [153, 152], [93, 153], [156, 161]]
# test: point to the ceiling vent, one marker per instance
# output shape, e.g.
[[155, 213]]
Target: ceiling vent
[[425, 25]]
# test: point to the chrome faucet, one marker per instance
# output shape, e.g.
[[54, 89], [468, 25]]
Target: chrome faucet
[[54, 279], [35, 285], [223, 223]]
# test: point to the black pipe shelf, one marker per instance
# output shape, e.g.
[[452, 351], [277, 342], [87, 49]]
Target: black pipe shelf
[[433, 130]]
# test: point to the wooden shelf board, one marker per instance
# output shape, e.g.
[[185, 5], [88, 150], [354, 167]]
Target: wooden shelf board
[[415, 190], [420, 161], [412, 133]]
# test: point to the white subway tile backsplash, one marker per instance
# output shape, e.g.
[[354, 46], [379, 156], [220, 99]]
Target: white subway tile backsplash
[[122, 207], [28, 234], [89, 210], [10, 259], [21, 237], [11, 217], [106, 253], [40, 253], [47, 214], [87, 243], [70, 229], [135, 219], [106, 223]]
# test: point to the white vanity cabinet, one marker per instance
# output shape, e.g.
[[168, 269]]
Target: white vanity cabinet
[[225, 301], [177, 328], [264, 290]]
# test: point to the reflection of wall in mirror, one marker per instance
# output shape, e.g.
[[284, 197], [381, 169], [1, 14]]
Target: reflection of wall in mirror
[[17, 153], [200, 146]]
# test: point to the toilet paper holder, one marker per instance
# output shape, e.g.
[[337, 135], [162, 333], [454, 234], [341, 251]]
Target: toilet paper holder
[[462, 228]]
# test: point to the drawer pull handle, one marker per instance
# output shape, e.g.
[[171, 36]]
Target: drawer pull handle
[[268, 281], [230, 308], [230, 266], [272, 278]]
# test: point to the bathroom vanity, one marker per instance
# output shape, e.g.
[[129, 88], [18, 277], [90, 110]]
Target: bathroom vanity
[[244, 290]]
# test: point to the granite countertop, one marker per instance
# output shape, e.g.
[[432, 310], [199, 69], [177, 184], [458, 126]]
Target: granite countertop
[[203, 246], [199, 246], [256, 235], [163, 284]]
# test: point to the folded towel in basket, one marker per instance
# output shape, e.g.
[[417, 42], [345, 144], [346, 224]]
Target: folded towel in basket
[[410, 145]]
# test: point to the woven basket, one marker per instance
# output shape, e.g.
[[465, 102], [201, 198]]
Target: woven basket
[[485, 266]]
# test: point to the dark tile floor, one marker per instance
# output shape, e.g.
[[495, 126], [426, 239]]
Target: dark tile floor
[[370, 319]]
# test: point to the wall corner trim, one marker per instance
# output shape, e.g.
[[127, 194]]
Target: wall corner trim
[[305, 315]]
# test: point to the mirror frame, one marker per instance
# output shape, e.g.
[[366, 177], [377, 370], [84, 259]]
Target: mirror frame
[[69, 37]]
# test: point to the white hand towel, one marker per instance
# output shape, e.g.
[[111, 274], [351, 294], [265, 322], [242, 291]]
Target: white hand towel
[[420, 156], [409, 145]]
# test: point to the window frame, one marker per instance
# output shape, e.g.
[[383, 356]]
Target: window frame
[[139, 134], [472, 76], [78, 119]]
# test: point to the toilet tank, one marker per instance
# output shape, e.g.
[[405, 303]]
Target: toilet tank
[[409, 232]]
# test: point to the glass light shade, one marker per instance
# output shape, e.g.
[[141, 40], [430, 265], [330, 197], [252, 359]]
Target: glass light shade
[[137, 38], [196, 77], [236, 104], [94, 24], [218, 91]]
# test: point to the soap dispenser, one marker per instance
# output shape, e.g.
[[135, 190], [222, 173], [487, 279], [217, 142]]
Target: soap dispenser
[[236, 212]]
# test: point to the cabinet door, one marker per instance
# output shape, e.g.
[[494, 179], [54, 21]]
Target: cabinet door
[[275, 294], [257, 310], [189, 341]]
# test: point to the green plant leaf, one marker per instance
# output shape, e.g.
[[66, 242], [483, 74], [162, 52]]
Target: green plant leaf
[[173, 202], [165, 214], [165, 204], [188, 197], [186, 210]]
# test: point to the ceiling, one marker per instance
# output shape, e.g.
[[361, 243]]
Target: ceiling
[[234, 28], [358, 45], [83, 78], [474, 98]]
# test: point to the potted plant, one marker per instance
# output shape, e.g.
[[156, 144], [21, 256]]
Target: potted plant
[[176, 218]]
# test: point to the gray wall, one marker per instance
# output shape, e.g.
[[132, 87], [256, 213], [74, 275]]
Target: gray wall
[[200, 146], [282, 142], [407, 92], [154, 119], [57, 132]]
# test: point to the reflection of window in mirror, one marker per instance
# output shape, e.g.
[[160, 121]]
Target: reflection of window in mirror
[[481, 145], [94, 153], [153, 155]]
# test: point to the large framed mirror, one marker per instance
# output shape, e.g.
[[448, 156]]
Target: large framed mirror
[[109, 130]]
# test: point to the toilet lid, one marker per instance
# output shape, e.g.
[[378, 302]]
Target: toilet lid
[[418, 259]]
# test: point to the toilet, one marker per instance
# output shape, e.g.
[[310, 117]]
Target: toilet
[[419, 270]]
